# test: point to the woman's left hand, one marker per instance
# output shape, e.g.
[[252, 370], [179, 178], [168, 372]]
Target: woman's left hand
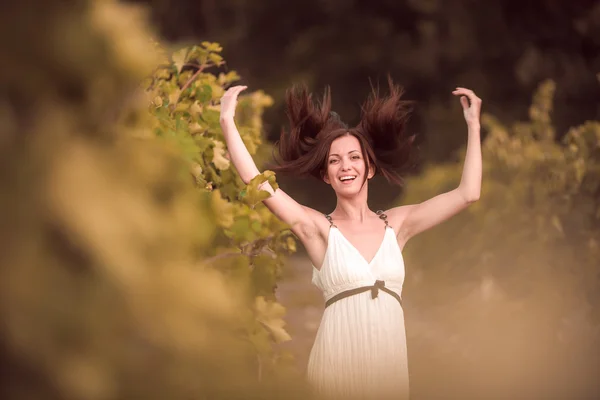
[[471, 107]]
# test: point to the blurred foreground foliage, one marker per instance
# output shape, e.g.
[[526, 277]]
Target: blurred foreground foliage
[[134, 264], [516, 278]]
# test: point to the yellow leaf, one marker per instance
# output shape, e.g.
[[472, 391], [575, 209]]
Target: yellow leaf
[[179, 59], [270, 315], [196, 128], [195, 109], [222, 208], [217, 91], [215, 58], [174, 96], [219, 159], [211, 46]]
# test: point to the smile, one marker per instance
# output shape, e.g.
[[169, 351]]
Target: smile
[[347, 178]]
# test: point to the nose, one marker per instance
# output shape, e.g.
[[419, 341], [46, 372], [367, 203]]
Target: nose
[[345, 165]]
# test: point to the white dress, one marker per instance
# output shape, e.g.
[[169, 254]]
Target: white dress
[[360, 347]]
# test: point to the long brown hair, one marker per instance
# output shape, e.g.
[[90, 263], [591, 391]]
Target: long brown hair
[[304, 149]]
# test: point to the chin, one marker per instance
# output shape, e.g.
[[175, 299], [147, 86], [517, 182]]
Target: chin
[[348, 191]]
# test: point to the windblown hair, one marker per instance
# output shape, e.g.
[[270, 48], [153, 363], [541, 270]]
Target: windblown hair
[[304, 149]]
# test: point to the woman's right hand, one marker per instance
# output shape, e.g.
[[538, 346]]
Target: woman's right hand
[[229, 101]]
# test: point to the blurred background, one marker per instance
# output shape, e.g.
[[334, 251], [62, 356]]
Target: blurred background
[[501, 49], [121, 279]]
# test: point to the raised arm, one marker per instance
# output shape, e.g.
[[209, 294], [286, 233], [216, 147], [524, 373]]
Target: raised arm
[[300, 218], [417, 218]]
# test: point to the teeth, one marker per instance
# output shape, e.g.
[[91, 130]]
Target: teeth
[[345, 178]]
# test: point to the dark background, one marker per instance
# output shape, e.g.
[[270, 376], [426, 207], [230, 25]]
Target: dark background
[[502, 49]]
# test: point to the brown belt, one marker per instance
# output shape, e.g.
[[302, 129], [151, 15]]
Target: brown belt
[[379, 285]]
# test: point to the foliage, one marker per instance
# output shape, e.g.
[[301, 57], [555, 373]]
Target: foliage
[[520, 267], [110, 281], [433, 46], [251, 243]]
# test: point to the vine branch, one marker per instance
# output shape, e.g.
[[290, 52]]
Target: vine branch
[[221, 256], [189, 82]]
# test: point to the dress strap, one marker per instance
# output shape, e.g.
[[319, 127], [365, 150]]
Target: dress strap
[[330, 220], [383, 216]]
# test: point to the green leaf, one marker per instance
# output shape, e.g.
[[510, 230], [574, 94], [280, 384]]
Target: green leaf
[[211, 117], [203, 93]]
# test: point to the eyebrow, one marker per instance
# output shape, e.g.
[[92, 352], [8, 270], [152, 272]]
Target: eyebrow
[[351, 151]]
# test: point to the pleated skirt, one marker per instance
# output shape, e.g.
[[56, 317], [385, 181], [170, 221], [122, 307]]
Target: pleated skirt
[[360, 350]]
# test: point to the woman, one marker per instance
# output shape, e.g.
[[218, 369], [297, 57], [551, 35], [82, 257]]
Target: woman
[[360, 347]]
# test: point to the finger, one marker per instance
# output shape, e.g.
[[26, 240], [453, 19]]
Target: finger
[[240, 90], [463, 91], [467, 92], [234, 91], [464, 102]]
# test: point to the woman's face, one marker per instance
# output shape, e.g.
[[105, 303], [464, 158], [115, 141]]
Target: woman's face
[[346, 166]]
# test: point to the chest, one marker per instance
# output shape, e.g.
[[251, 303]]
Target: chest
[[365, 240]]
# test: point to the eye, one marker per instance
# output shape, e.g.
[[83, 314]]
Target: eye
[[333, 160], [356, 157]]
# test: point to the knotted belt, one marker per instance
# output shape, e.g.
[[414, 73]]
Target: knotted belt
[[379, 285]]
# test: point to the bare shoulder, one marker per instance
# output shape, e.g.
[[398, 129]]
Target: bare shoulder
[[397, 215]]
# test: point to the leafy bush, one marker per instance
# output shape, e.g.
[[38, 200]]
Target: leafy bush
[[121, 277], [250, 243], [516, 275]]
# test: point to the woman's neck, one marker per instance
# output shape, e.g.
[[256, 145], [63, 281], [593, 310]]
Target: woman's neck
[[353, 208]]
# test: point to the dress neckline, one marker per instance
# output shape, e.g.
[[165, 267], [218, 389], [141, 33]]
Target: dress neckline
[[368, 263], [381, 216]]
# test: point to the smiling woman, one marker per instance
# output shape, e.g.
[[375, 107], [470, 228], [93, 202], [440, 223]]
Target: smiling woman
[[346, 163], [383, 143], [360, 348]]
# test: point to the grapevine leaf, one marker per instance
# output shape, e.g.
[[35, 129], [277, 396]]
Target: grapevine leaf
[[253, 194], [270, 314], [179, 59], [222, 208], [204, 93], [211, 117], [215, 58], [212, 47], [241, 230], [219, 156]]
